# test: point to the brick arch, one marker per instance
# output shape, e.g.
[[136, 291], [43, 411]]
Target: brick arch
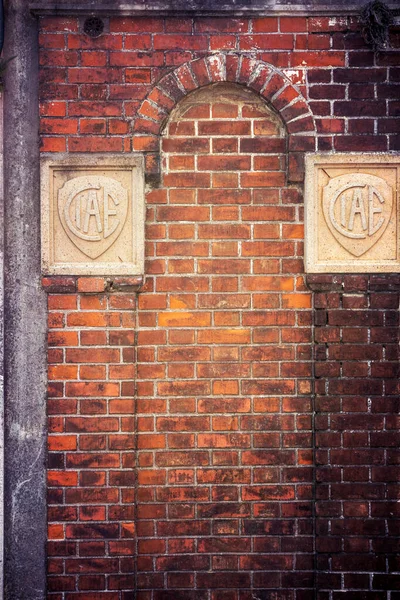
[[270, 83]]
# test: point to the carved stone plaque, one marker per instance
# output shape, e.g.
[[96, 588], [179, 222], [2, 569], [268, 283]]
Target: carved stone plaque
[[352, 213], [92, 214]]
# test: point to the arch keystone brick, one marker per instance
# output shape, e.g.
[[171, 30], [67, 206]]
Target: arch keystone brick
[[263, 78]]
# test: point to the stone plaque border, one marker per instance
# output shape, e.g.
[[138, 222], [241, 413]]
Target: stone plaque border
[[314, 162], [133, 163]]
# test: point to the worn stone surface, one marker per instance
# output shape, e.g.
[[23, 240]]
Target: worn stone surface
[[1, 346], [92, 215], [25, 322], [352, 213], [202, 6]]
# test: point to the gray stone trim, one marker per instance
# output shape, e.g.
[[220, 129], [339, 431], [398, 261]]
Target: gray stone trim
[[1, 355], [202, 7], [25, 321]]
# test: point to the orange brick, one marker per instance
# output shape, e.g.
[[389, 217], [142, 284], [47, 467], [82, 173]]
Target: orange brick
[[151, 441], [175, 213], [87, 319], [293, 231], [61, 372], [225, 231], [227, 319], [265, 127], [225, 180], [91, 389], [296, 300], [225, 213], [181, 163], [225, 249], [62, 302], [55, 531], [224, 336], [121, 371], [63, 338], [62, 442], [92, 355], [271, 179], [224, 128], [265, 283], [62, 478], [93, 302], [92, 372], [227, 388]]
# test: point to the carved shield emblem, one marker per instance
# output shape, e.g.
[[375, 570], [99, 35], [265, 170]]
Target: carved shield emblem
[[93, 211], [357, 208]]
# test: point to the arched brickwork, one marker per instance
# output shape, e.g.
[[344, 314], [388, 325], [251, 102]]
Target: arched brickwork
[[266, 80], [223, 409]]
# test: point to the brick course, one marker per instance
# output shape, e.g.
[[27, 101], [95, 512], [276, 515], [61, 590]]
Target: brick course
[[249, 447]]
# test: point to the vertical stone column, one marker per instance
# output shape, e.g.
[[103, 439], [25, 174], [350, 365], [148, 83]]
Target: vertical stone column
[[25, 317], [1, 350]]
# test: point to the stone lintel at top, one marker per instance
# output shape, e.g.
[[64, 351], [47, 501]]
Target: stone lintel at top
[[201, 7]]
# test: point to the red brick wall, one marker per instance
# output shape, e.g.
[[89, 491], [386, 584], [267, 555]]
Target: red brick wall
[[357, 439], [216, 498]]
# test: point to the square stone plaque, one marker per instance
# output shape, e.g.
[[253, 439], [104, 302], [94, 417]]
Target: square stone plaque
[[92, 214], [352, 213]]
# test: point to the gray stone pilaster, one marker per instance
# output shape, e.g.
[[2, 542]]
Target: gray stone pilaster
[[25, 317]]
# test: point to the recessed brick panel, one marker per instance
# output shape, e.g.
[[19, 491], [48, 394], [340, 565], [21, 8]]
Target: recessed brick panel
[[226, 451]]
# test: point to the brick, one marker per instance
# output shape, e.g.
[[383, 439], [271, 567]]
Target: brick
[[293, 24], [212, 25], [187, 180], [171, 213], [95, 144], [186, 145], [58, 58], [95, 109], [262, 179], [353, 143], [95, 126], [234, 196], [59, 126], [322, 58], [223, 163], [372, 108], [181, 248], [263, 42], [224, 231], [62, 478], [265, 25], [53, 144], [224, 128], [262, 145], [178, 42]]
